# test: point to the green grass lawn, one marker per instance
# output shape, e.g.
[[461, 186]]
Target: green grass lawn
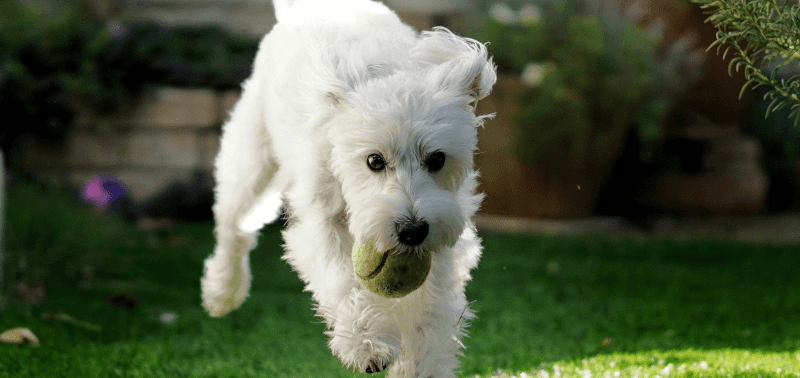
[[566, 306]]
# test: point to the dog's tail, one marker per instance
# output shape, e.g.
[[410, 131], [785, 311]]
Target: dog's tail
[[281, 6]]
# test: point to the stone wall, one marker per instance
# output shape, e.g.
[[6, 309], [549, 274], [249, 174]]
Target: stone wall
[[170, 134], [255, 17], [251, 17]]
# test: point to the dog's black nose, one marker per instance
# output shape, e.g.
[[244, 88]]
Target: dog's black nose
[[412, 233]]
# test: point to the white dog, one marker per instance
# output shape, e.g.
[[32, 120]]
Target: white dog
[[366, 131]]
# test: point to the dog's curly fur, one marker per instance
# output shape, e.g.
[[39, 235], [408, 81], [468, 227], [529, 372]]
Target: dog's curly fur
[[335, 86]]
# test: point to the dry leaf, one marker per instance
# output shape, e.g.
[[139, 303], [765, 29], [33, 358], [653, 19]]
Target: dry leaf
[[19, 336]]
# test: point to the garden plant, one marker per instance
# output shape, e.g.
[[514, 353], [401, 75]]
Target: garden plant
[[592, 74], [765, 38], [54, 65]]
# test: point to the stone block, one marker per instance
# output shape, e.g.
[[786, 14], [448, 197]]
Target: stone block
[[733, 154], [172, 107], [143, 184], [84, 148], [227, 100], [209, 147], [253, 18], [708, 194], [781, 228], [706, 132], [157, 149], [166, 107]]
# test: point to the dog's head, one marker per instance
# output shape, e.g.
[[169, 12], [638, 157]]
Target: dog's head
[[402, 143]]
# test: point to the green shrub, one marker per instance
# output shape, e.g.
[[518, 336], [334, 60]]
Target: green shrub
[[51, 64], [591, 72], [762, 34], [41, 59]]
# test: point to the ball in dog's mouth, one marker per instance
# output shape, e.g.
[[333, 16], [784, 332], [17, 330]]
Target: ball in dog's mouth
[[390, 273]]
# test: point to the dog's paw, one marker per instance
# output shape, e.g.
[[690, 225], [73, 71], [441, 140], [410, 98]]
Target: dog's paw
[[375, 363], [367, 356], [225, 284]]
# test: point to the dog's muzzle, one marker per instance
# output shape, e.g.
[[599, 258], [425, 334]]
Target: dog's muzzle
[[412, 232]]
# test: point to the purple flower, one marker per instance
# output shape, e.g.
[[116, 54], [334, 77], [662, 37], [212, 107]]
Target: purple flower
[[102, 190]]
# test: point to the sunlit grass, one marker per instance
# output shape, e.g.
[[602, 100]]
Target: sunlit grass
[[680, 363]]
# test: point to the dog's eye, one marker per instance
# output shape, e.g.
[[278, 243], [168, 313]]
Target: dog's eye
[[435, 161], [376, 162]]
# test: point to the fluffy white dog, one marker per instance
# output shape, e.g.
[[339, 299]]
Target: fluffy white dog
[[366, 131]]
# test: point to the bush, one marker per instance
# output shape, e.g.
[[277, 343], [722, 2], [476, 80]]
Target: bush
[[40, 59], [763, 34], [591, 72], [50, 64]]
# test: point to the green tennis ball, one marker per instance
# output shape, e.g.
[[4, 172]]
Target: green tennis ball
[[389, 273]]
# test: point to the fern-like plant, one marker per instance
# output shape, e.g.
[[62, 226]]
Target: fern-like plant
[[762, 33]]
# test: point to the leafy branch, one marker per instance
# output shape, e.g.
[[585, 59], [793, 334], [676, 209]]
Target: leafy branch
[[763, 34]]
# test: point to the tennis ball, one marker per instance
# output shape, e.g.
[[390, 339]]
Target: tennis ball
[[390, 274]]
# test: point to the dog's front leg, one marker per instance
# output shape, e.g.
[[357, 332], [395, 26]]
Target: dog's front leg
[[244, 170], [437, 314], [437, 338], [362, 331]]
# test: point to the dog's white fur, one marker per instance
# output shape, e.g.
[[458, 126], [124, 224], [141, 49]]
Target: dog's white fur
[[334, 82]]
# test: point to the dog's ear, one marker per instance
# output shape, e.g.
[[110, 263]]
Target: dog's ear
[[456, 63], [348, 74]]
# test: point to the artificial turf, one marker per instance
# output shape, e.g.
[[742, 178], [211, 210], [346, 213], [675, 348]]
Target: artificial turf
[[562, 306]]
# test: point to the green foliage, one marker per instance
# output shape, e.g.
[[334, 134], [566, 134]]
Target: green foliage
[[188, 56], [762, 33], [51, 63], [591, 77], [41, 59], [777, 132]]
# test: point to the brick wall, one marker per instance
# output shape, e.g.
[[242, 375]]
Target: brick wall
[[167, 136]]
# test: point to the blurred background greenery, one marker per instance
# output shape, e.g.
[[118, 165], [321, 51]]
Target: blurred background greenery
[[51, 62]]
